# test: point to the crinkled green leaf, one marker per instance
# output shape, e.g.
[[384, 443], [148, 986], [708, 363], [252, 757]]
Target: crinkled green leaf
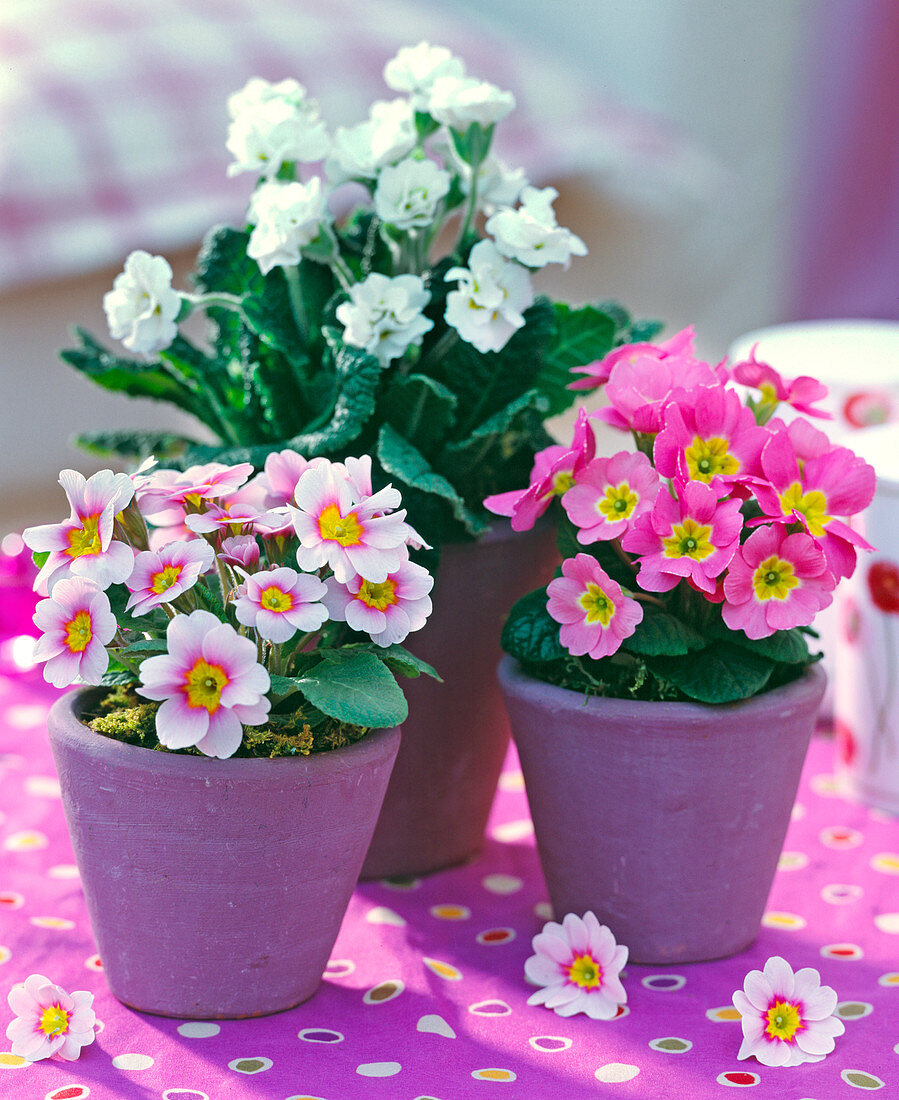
[[530, 634], [356, 688], [786, 646], [660, 634], [136, 445], [580, 336], [722, 673], [400, 660], [421, 409]]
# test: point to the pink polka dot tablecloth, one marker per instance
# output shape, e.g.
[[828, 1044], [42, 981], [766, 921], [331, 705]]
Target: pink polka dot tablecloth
[[425, 998]]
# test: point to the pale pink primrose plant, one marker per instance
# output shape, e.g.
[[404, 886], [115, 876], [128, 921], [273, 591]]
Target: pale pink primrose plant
[[49, 1023], [162, 576], [577, 965], [387, 611], [77, 624], [279, 603], [787, 1018]]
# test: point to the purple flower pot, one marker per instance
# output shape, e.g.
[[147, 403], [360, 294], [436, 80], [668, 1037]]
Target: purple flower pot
[[215, 888], [457, 732], [665, 819]]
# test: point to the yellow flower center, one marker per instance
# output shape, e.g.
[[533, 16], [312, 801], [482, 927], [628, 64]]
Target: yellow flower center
[[812, 505], [773, 579], [85, 541], [707, 458], [204, 685], [78, 632], [597, 604], [380, 596], [54, 1020], [783, 1021], [274, 599], [347, 530], [688, 540], [562, 482], [769, 394], [585, 971], [618, 502], [165, 578]]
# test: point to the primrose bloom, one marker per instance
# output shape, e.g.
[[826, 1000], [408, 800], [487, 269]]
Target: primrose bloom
[[239, 551], [286, 218], [77, 624], [577, 964], [49, 1023], [269, 130], [690, 536], [598, 372], [83, 545], [608, 494], [384, 315], [498, 185], [408, 194], [787, 1017], [349, 531], [283, 469], [488, 306], [555, 470], [801, 393], [141, 307], [459, 101], [279, 602], [168, 491], [595, 614], [638, 390], [415, 68], [361, 151], [776, 581], [709, 435], [257, 91], [210, 684], [160, 576], [387, 611], [531, 235]]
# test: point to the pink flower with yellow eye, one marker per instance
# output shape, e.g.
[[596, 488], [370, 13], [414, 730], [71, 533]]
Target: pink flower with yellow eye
[[347, 530], [49, 1023], [82, 545], [553, 474], [160, 576], [77, 624], [609, 494], [594, 613], [598, 373], [577, 965], [690, 536], [277, 603], [283, 469], [801, 393], [639, 390], [210, 683], [776, 581], [387, 611]]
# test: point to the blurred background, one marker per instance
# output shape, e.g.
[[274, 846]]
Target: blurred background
[[730, 165]]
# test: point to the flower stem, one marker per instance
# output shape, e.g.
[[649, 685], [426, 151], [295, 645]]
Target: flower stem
[[297, 303]]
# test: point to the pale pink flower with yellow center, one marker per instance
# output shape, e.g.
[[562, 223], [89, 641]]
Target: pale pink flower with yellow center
[[277, 603], [210, 684], [49, 1023], [240, 551], [171, 489], [553, 474], [594, 613], [609, 494], [801, 393], [577, 964], [77, 624], [787, 1018], [776, 581], [709, 435], [347, 530], [387, 611], [283, 469], [82, 545], [815, 492], [160, 576], [689, 536], [598, 372], [231, 519]]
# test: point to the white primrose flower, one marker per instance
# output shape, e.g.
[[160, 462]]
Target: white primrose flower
[[531, 234], [141, 307], [384, 315], [493, 293], [265, 135], [457, 102], [361, 151], [257, 91], [287, 217], [408, 193], [498, 185], [415, 68]]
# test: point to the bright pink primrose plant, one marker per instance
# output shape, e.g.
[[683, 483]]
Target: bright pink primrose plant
[[280, 614], [697, 558]]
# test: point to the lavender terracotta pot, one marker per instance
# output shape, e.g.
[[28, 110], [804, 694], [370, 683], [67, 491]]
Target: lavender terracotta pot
[[215, 888], [457, 732], [665, 819]]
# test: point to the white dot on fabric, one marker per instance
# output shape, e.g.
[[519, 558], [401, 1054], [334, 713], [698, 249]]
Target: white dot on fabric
[[198, 1029], [132, 1061]]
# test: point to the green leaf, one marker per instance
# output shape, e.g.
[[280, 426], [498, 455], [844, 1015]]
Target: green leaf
[[530, 634], [223, 265], [356, 688], [723, 673], [210, 600], [39, 557], [660, 634], [115, 678], [145, 645], [135, 445], [581, 336], [604, 552], [785, 646], [399, 659], [401, 460], [421, 409]]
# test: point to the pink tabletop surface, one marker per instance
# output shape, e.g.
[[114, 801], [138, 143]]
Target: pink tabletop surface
[[425, 991]]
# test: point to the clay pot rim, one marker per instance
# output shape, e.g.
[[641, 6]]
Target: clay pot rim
[[65, 721], [513, 677]]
